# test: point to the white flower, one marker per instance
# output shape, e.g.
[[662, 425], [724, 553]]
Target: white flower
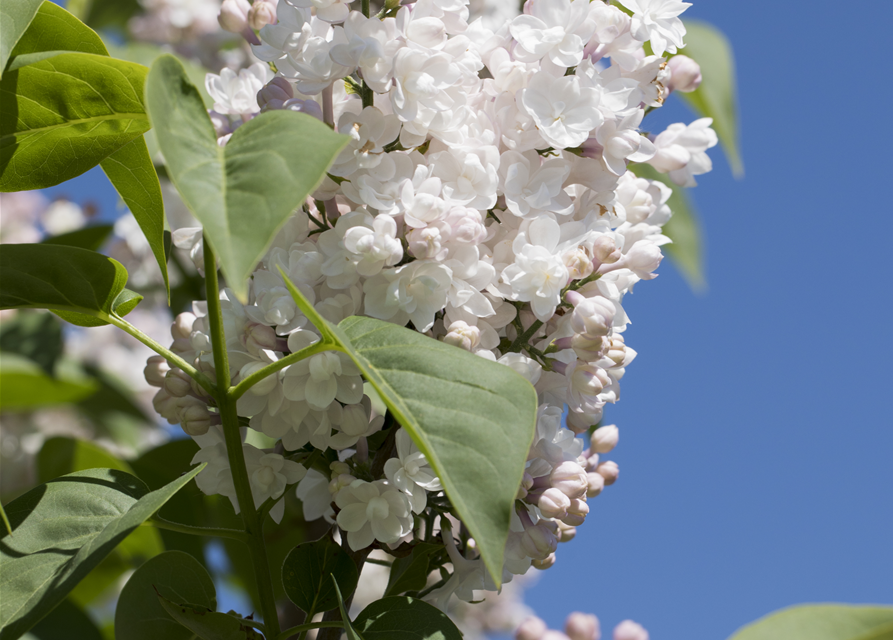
[[321, 379], [373, 511], [421, 80], [270, 474], [532, 186], [415, 291], [237, 94], [328, 10], [558, 29], [370, 47], [658, 21], [620, 141], [369, 131], [538, 274], [316, 499], [376, 247], [354, 423], [564, 111], [681, 151], [411, 473], [274, 305]]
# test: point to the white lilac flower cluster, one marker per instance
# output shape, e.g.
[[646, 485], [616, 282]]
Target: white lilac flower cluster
[[485, 200]]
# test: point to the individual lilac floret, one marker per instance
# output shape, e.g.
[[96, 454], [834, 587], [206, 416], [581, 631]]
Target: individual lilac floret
[[411, 473], [658, 22], [373, 511]]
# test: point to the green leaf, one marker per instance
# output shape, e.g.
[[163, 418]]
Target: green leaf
[[65, 114], [684, 229], [25, 386], [113, 14], [458, 408], [132, 173], [306, 571], [62, 530], [208, 624], [65, 622], [402, 618], [822, 622], [55, 29], [15, 17], [411, 573], [60, 456], [717, 96], [140, 615], [91, 237], [83, 287], [34, 335], [349, 629], [244, 192]]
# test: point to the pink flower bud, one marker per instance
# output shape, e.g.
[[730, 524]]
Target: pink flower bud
[[582, 626], [609, 471], [195, 418], [595, 484], [463, 336], [166, 406], [591, 462], [156, 368], [580, 422], [233, 16], [531, 629], [579, 264], [576, 513], [275, 94], [570, 478], [310, 107], [604, 439], [259, 337], [177, 383], [642, 259], [539, 541], [262, 13], [685, 74], [542, 565], [566, 533], [629, 630], [593, 317], [182, 326], [526, 484], [605, 251], [553, 504]]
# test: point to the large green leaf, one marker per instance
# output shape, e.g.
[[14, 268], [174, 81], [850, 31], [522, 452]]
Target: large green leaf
[[60, 456], [61, 530], [411, 573], [307, 571], [244, 192], [65, 114], [822, 622], [65, 622], [55, 29], [15, 16], [717, 96], [175, 575], [145, 54], [684, 229], [473, 419], [24, 386], [84, 287], [206, 623], [90, 237], [402, 618], [132, 173]]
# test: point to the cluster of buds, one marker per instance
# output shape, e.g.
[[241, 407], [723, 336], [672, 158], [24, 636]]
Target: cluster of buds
[[578, 626]]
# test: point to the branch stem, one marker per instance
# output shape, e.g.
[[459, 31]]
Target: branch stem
[[239, 390], [301, 628]]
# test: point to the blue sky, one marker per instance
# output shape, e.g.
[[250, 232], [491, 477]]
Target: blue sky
[[756, 429]]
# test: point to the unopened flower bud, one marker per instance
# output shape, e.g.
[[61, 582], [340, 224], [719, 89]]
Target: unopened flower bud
[[339, 482], [592, 317], [259, 337], [195, 419], [539, 540], [553, 504], [566, 533], [582, 626], [605, 251], [339, 468], [531, 629], [262, 13], [542, 565], [629, 630], [595, 484], [685, 74], [182, 325], [642, 259], [619, 352], [609, 471], [604, 439], [156, 368], [526, 484], [581, 422], [576, 513], [463, 336], [569, 478], [275, 94], [233, 16], [177, 383], [579, 264], [310, 107], [165, 405]]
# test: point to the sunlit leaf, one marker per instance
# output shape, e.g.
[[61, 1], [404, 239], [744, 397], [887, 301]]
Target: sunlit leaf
[[458, 408], [244, 192], [14, 20], [822, 622], [55, 29]]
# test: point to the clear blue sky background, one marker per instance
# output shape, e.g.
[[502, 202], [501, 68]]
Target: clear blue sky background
[[756, 428]]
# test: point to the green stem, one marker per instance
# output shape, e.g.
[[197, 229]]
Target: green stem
[[301, 628], [239, 390], [232, 436], [169, 355], [525, 337], [366, 91], [161, 523]]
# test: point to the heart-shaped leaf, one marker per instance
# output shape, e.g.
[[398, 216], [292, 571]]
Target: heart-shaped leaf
[[83, 287], [472, 418], [307, 571], [61, 531], [402, 618], [65, 114], [206, 623], [822, 622], [55, 29], [244, 192]]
